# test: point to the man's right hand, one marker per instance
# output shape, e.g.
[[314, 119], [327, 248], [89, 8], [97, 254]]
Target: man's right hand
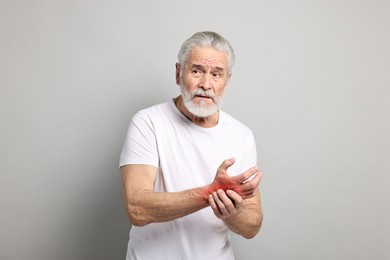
[[245, 184]]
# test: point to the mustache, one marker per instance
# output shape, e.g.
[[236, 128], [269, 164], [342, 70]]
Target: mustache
[[200, 92]]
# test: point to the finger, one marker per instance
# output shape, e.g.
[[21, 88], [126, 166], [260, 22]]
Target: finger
[[225, 199], [236, 198], [246, 175], [229, 203], [252, 184], [227, 163], [249, 194], [257, 175], [220, 204], [250, 188], [212, 201], [214, 205]]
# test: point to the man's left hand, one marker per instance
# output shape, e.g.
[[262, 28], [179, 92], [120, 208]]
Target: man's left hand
[[225, 204]]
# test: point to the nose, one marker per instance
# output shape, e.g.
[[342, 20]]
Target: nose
[[205, 81]]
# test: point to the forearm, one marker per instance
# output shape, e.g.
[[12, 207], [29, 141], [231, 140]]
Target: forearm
[[246, 223], [151, 207]]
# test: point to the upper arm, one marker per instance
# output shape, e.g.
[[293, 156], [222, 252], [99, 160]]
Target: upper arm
[[136, 179], [140, 146]]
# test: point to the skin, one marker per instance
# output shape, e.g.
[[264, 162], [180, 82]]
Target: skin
[[235, 200], [205, 69]]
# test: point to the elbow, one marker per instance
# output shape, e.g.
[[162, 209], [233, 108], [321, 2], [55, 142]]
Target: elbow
[[137, 222], [254, 230], [251, 234], [135, 215]]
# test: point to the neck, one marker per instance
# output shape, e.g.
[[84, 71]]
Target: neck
[[209, 121]]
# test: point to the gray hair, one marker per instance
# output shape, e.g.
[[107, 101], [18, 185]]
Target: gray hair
[[207, 39]]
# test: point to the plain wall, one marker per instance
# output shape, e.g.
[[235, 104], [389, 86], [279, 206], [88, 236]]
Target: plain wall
[[311, 80]]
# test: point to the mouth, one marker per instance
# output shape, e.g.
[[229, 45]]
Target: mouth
[[203, 97]]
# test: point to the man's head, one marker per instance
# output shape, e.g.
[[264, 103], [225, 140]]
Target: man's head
[[207, 39], [204, 68]]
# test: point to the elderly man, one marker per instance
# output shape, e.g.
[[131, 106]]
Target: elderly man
[[188, 169]]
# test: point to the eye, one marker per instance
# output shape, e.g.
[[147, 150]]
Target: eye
[[196, 72], [216, 74]]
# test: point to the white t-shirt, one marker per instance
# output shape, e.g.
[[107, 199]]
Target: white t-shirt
[[187, 156]]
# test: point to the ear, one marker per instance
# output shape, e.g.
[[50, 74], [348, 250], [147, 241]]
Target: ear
[[178, 74], [228, 79]]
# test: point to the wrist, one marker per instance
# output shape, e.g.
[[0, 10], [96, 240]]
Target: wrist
[[206, 191]]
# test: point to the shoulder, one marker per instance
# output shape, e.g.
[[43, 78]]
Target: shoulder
[[234, 124], [152, 113], [158, 118], [161, 108]]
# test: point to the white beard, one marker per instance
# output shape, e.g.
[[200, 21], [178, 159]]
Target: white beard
[[200, 109]]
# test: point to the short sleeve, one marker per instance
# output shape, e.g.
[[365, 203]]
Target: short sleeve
[[250, 158], [253, 154], [140, 146]]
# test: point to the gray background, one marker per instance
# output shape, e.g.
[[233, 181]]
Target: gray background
[[311, 80]]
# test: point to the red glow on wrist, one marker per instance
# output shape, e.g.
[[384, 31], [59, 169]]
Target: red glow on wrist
[[225, 186]]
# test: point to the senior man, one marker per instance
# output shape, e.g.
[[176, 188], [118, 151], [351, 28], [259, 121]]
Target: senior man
[[189, 169]]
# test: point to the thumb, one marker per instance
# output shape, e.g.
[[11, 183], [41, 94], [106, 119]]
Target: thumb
[[227, 163]]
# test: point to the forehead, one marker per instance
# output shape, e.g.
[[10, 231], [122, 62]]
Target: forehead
[[207, 57]]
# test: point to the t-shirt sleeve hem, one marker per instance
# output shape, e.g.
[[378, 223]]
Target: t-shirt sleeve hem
[[136, 161]]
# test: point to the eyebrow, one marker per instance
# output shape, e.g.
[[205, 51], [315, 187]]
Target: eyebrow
[[198, 66]]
